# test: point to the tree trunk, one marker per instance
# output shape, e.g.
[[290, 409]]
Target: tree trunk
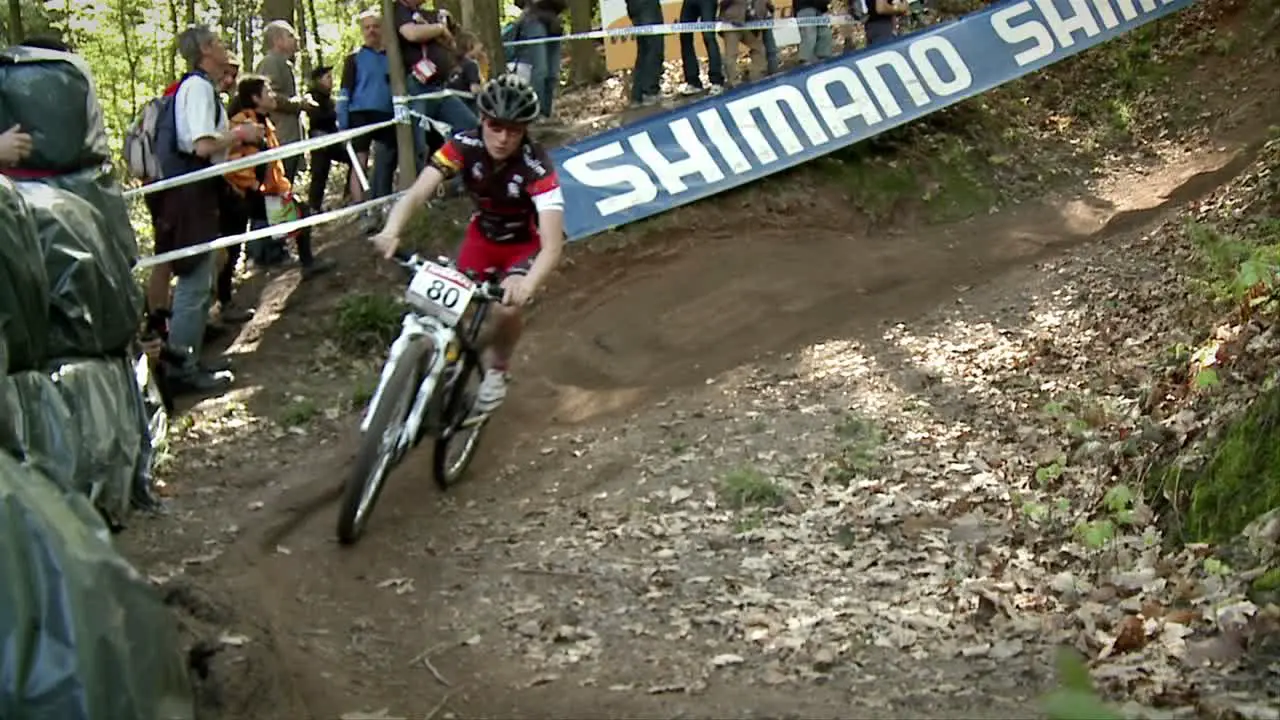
[[588, 59], [277, 10], [484, 18], [300, 23], [15, 22], [316, 44], [395, 63], [248, 55], [171, 57], [130, 52], [191, 12]]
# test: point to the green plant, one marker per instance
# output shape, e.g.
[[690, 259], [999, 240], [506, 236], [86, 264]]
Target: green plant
[[368, 322], [859, 452], [1075, 698], [299, 412], [748, 487]]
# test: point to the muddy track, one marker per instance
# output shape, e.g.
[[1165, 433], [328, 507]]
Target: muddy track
[[612, 345], [608, 347]]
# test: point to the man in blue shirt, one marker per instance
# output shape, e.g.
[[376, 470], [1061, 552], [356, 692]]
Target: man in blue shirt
[[365, 99]]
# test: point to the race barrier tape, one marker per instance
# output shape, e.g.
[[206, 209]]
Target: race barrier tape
[[265, 232], [683, 28], [718, 143], [279, 153]]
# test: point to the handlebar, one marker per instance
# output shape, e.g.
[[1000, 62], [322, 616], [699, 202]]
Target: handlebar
[[488, 287]]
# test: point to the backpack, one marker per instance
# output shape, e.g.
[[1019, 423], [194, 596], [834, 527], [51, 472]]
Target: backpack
[[140, 140], [151, 142]]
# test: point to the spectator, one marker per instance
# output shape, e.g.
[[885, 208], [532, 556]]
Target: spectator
[[267, 185], [277, 66], [815, 40], [771, 58], [467, 76], [738, 12], [323, 120], [230, 76], [646, 79], [700, 11], [188, 215], [15, 146], [233, 220], [365, 99], [426, 45], [880, 19], [541, 19]]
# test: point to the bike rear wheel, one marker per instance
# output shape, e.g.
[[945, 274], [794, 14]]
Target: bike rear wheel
[[378, 448], [459, 435]]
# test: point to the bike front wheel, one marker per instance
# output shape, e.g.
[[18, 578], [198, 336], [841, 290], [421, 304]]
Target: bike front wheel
[[459, 436], [381, 442]]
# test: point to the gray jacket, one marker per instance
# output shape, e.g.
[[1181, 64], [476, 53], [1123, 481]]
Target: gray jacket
[[279, 70]]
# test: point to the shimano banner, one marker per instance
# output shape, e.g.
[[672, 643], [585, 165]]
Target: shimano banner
[[717, 143]]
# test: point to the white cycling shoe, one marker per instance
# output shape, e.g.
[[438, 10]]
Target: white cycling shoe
[[492, 391]]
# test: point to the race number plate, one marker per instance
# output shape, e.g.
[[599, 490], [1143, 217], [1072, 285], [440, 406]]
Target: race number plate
[[441, 292]]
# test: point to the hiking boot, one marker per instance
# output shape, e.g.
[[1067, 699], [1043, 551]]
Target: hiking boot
[[200, 382], [317, 266], [216, 365], [229, 313]]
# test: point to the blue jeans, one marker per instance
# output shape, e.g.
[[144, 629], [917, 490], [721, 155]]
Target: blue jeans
[[646, 79], [544, 63], [700, 11], [770, 52], [192, 298], [815, 41], [449, 110]]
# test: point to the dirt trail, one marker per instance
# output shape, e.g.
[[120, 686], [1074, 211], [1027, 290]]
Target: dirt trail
[[554, 584]]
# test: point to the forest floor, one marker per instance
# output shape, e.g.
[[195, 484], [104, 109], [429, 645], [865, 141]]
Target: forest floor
[[794, 455]]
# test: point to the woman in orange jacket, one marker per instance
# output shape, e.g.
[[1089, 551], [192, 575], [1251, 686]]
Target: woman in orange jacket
[[267, 189]]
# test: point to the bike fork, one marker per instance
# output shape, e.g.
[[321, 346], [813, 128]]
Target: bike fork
[[410, 329]]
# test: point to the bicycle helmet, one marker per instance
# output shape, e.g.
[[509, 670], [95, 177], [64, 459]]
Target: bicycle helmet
[[508, 98]]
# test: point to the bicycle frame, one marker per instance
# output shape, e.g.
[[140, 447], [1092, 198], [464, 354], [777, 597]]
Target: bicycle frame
[[442, 337]]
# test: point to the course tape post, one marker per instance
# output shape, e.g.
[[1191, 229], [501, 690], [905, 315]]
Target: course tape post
[[718, 143]]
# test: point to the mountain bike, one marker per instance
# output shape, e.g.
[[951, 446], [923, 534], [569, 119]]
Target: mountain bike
[[428, 386]]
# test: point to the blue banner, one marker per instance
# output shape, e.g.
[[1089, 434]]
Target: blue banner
[[717, 143]]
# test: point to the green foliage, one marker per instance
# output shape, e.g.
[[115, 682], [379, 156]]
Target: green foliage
[[859, 452], [748, 487], [1239, 269], [1241, 480], [1075, 698], [299, 412], [368, 322]]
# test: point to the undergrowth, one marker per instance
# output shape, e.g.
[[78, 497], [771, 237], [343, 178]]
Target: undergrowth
[[1235, 477]]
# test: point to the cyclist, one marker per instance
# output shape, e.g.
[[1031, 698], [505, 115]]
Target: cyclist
[[518, 224]]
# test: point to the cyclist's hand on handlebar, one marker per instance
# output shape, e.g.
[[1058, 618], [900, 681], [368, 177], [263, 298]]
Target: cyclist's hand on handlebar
[[519, 291], [386, 244]]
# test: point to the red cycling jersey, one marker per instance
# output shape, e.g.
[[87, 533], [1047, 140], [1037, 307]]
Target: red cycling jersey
[[508, 195]]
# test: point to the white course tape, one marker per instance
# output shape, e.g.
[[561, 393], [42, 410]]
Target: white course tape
[[436, 95], [280, 153], [269, 231], [693, 27]]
